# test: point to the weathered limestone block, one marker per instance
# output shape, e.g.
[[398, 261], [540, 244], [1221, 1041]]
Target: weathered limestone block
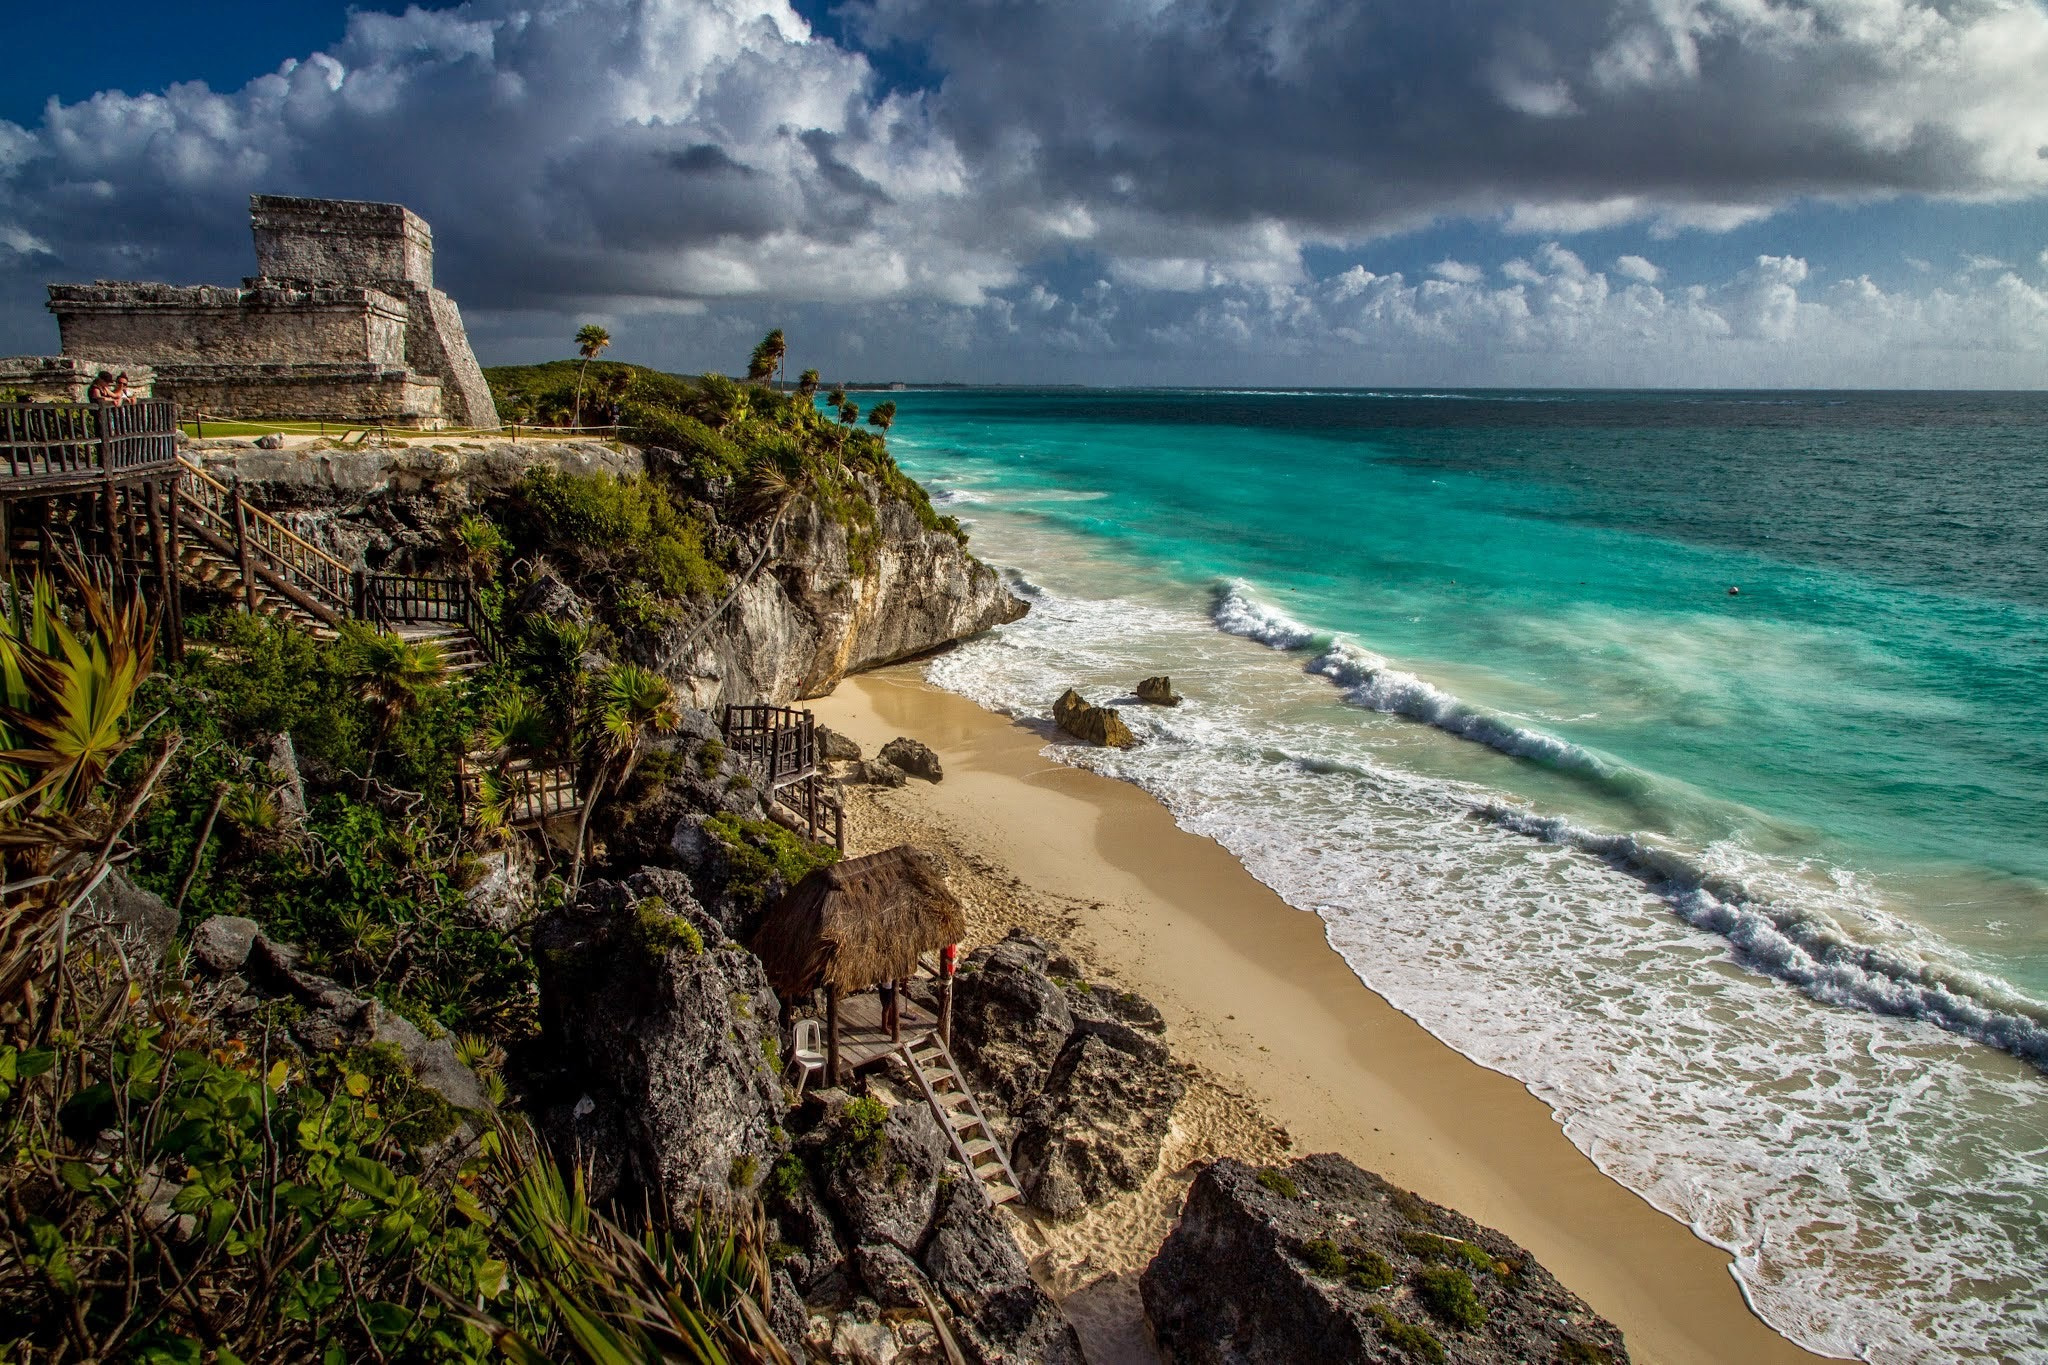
[[1158, 692]]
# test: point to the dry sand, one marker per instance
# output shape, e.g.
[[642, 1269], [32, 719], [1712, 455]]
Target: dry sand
[[1290, 1049]]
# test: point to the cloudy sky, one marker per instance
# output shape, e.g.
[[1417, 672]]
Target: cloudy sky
[[1559, 192]]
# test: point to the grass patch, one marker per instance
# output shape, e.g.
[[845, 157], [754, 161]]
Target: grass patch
[[1280, 1183], [1448, 1294], [1403, 1335], [663, 930]]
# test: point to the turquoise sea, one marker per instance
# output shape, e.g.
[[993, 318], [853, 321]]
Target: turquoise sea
[[1751, 887]]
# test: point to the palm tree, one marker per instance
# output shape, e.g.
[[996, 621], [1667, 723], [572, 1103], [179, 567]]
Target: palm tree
[[632, 703], [766, 361], [849, 412], [591, 341], [393, 677], [883, 416], [807, 385]]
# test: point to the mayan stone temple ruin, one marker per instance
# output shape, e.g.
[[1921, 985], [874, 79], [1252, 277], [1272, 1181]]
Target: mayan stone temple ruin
[[342, 323]]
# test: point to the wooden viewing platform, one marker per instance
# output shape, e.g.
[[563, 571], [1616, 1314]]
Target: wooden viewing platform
[[862, 1039], [51, 447], [779, 745]]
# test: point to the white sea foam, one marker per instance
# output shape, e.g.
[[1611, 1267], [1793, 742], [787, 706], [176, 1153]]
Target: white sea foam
[[1867, 1170], [1239, 612], [959, 497]]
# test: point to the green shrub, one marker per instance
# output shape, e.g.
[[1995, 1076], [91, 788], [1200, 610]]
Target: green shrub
[[1449, 1295], [623, 529], [1369, 1269], [663, 930], [745, 1167], [1324, 1258], [1402, 1335], [859, 1137], [1280, 1183], [1572, 1351], [786, 1177]]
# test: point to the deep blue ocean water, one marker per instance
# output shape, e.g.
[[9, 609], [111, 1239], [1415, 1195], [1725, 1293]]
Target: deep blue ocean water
[[1466, 678]]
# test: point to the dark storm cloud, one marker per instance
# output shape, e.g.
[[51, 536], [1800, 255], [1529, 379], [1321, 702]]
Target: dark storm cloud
[[649, 156]]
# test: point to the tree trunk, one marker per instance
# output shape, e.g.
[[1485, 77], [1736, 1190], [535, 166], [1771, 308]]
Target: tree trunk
[[583, 826]]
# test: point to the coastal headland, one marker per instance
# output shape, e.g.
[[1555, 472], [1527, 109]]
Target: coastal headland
[[1255, 997]]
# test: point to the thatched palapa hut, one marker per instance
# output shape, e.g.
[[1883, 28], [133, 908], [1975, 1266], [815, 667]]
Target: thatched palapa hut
[[856, 924]]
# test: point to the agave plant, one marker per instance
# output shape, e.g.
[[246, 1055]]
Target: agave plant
[[65, 694], [66, 690], [693, 1295]]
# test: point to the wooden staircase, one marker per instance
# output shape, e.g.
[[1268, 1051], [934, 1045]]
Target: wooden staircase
[[239, 549], [974, 1142]]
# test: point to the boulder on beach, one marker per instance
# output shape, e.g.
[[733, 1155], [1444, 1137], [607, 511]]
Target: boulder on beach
[[834, 747], [1158, 692], [1319, 1260], [1096, 724], [914, 758]]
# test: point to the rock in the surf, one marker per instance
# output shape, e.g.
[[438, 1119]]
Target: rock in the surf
[[1096, 724], [1319, 1260], [1158, 692]]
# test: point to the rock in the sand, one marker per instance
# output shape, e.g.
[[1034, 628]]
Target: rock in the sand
[[270, 441], [835, 747], [1097, 1125], [974, 1261], [875, 773], [1010, 1021], [1096, 724], [1322, 1261], [1158, 692], [913, 758]]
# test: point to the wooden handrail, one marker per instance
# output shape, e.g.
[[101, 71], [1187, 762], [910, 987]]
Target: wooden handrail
[[49, 444], [284, 553]]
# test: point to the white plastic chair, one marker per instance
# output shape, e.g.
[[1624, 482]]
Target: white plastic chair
[[807, 1052]]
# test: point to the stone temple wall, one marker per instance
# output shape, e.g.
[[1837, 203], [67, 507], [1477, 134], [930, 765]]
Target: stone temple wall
[[343, 324], [65, 378], [262, 323]]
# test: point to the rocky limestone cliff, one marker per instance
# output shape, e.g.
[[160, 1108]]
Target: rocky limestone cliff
[[809, 617]]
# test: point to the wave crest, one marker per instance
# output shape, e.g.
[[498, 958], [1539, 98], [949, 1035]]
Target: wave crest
[[1805, 948]]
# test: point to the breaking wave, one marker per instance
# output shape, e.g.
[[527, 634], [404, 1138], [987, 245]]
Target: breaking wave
[[1805, 948], [1372, 682]]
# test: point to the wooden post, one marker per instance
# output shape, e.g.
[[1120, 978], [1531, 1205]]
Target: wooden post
[[110, 523], [166, 575], [6, 538], [174, 602], [831, 1035], [242, 545], [946, 1011]]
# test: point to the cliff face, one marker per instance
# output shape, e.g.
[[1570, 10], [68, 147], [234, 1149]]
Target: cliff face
[[815, 611], [811, 617]]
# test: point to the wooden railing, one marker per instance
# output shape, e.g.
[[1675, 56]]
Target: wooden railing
[[386, 600], [264, 544], [57, 444], [811, 802], [780, 743], [529, 793]]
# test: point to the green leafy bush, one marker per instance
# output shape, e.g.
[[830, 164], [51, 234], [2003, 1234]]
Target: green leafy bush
[[663, 930], [625, 530], [1325, 1258], [758, 851], [1403, 1335], [1449, 1295], [859, 1136]]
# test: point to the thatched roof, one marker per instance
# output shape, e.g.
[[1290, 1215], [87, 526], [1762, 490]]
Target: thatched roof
[[858, 922]]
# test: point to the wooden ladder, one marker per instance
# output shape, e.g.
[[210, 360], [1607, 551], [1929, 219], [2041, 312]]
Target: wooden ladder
[[974, 1142]]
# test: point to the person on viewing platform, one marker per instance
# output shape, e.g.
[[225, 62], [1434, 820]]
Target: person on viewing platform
[[123, 391], [101, 388]]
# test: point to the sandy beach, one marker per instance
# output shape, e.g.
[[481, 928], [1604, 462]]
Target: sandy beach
[[1292, 1052]]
